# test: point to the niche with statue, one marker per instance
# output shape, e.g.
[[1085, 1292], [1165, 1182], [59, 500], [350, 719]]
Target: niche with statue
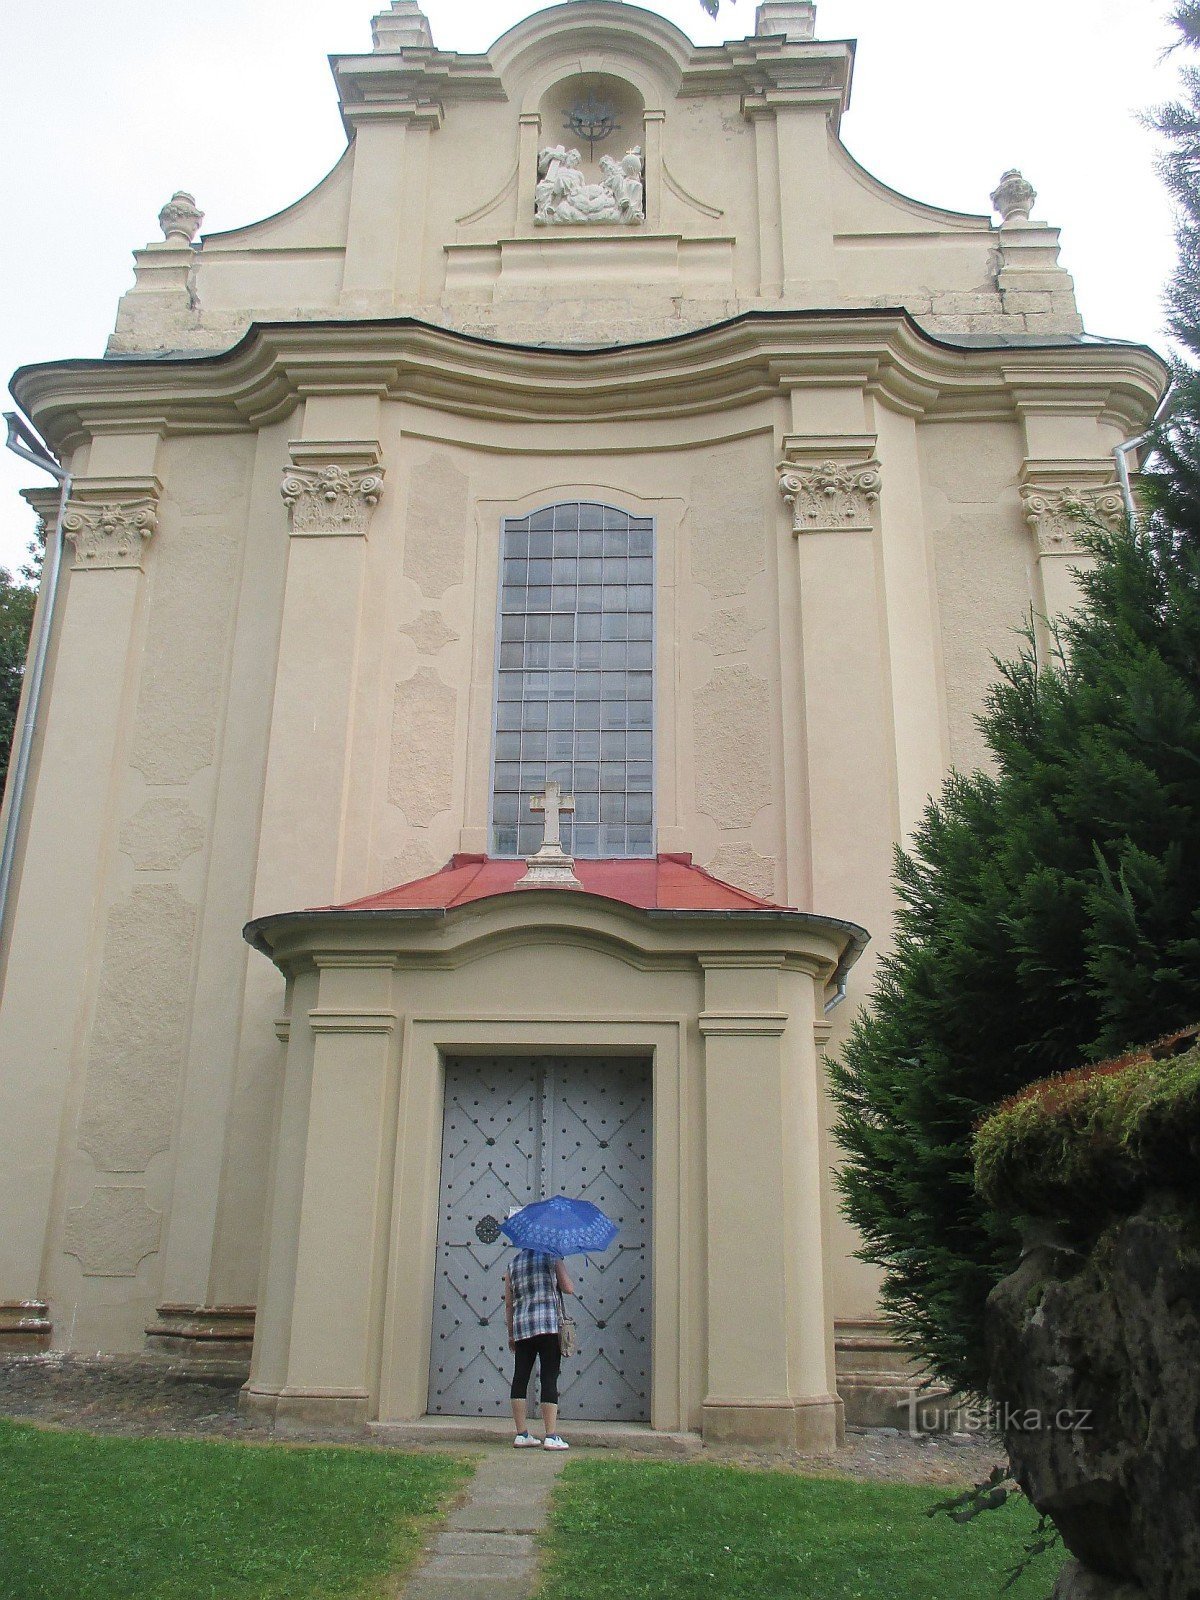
[[590, 164]]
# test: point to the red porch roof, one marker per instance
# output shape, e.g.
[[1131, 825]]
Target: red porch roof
[[660, 883]]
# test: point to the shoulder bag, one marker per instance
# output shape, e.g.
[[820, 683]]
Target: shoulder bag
[[567, 1340]]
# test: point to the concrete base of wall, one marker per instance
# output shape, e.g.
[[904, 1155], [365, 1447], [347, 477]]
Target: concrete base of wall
[[882, 1387], [200, 1336], [302, 1409], [813, 1427], [25, 1327]]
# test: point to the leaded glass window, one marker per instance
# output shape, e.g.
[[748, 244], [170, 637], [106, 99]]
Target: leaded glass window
[[575, 679]]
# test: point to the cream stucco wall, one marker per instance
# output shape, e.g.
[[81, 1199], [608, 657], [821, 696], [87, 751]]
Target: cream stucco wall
[[256, 705]]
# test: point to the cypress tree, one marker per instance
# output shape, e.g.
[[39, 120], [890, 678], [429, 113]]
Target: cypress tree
[[16, 616], [1048, 909]]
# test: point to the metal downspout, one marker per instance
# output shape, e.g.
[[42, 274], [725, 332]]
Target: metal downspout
[[23, 441], [1121, 453]]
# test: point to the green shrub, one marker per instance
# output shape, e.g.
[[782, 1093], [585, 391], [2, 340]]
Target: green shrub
[[1083, 1146]]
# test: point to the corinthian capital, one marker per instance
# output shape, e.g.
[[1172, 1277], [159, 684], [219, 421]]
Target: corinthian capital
[[1056, 514], [337, 495], [110, 533], [836, 487]]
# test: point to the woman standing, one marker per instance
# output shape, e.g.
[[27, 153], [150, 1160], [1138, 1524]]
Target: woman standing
[[532, 1286]]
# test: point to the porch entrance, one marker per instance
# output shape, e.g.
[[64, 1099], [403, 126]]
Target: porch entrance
[[517, 1129]]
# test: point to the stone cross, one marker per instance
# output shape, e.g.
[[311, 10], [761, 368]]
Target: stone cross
[[549, 867], [552, 803]]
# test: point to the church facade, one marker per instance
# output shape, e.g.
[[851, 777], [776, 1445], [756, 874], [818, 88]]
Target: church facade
[[598, 453]]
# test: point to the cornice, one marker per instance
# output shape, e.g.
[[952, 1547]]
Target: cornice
[[439, 938], [379, 83], [757, 355]]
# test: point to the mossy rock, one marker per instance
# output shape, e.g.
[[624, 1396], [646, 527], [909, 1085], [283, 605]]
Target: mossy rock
[[1085, 1146]]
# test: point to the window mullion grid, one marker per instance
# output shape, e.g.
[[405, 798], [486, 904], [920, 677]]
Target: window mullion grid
[[600, 557]]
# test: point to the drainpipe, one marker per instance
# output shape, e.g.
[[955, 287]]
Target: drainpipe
[[23, 441], [1121, 454], [841, 973], [839, 994]]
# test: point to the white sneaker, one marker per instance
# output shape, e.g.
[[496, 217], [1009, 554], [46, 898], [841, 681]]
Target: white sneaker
[[555, 1441], [525, 1441]]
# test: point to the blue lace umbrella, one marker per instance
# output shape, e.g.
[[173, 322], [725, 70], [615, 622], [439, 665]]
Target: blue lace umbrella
[[561, 1227]]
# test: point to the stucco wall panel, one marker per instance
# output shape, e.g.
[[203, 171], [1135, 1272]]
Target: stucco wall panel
[[161, 835], [733, 747], [193, 586], [422, 759], [435, 530], [138, 1040], [113, 1232], [742, 865], [727, 518]]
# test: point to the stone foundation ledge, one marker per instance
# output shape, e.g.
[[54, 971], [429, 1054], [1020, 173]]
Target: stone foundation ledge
[[812, 1425], [25, 1327], [883, 1387], [204, 1335], [295, 1409]]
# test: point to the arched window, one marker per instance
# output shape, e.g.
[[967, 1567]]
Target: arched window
[[575, 679]]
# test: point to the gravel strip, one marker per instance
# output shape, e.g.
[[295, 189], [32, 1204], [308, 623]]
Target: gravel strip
[[145, 1398]]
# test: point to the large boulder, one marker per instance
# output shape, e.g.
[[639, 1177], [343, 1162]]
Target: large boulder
[[1095, 1361]]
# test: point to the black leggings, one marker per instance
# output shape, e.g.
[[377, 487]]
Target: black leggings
[[544, 1349]]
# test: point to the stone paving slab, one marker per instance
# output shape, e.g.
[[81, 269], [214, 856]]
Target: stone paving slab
[[484, 1544], [497, 1516], [487, 1548], [423, 1588]]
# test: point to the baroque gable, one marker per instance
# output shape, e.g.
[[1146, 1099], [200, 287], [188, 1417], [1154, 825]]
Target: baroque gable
[[596, 175]]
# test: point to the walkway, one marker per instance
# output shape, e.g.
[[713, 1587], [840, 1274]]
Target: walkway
[[488, 1548]]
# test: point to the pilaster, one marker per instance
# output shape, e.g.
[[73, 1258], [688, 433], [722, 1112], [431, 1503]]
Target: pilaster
[[1060, 499], [331, 486], [89, 686], [831, 489], [795, 200], [386, 229], [914, 630], [770, 1378], [341, 1255], [652, 165], [210, 1249], [528, 139]]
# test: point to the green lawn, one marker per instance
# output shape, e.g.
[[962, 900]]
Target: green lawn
[[87, 1518], [670, 1531]]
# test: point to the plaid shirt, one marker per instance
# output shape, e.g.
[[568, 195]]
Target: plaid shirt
[[535, 1294]]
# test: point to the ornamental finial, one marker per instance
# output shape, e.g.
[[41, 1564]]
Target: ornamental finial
[[179, 218], [1013, 198]]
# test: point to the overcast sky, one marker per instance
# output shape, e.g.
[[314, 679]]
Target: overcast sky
[[107, 106]]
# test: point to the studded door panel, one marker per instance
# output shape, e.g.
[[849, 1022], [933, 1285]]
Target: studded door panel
[[515, 1130], [597, 1120]]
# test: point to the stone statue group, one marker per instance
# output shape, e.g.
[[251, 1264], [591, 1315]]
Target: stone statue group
[[563, 194]]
